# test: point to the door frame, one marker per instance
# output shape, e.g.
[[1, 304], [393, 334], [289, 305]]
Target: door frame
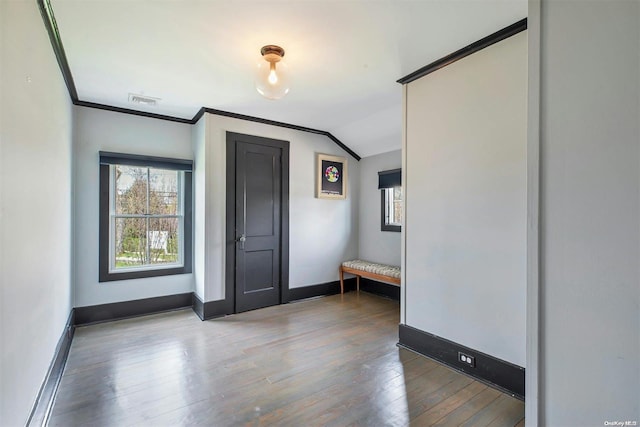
[[230, 226]]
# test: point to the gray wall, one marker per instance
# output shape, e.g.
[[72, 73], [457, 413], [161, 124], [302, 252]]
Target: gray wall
[[98, 130], [589, 212], [35, 208], [465, 201], [376, 245], [323, 233], [198, 141]]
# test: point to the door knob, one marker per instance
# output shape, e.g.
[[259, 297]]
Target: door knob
[[241, 240]]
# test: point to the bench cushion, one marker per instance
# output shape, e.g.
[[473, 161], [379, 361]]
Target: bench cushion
[[373, 267]]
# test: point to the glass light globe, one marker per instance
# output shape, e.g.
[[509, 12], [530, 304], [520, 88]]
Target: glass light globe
[[272, 79]]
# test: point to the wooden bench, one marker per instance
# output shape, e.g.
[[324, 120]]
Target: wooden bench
[[370, 270]]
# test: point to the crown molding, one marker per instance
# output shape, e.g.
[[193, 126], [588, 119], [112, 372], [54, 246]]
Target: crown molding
[[474, 47]]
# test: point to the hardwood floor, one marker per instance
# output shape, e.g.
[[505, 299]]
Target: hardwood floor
[[329, 361]]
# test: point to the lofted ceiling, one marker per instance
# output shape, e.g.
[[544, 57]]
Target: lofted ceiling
[[344, 57]]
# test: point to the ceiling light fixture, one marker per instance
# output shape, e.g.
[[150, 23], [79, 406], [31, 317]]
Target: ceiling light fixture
[[272, 82]]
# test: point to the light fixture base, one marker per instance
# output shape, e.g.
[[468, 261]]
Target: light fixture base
[[272, 53]]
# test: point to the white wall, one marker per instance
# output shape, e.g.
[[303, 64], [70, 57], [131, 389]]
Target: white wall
[[98, 130], [376, 245], [323, 233], [589, 212], [465, 183], [35, 208]]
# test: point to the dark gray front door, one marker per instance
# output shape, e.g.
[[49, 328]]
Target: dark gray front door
[[258, 223]]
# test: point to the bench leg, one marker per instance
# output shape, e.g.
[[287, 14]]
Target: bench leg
[[358, 283], [341, 281]]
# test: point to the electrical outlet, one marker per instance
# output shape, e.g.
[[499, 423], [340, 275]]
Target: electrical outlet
[[466, 359]]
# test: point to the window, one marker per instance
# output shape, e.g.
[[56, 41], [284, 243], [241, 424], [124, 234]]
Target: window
[[391, 211], [145, 216]]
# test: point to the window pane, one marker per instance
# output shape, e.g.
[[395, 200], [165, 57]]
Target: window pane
[[163, 192], [388, 210], [393, 206], [397, 193], [164, 242], [131, 190], [131, 243], [397, 205]]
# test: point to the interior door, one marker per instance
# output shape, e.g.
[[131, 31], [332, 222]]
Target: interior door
[[258, 219]]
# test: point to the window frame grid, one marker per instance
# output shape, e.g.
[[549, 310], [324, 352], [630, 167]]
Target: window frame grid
[[114, 216]]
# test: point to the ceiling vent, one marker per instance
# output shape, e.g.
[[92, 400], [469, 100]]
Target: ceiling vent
[[144, 100]]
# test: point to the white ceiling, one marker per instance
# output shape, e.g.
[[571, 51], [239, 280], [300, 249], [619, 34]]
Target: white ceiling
[[344, 57]]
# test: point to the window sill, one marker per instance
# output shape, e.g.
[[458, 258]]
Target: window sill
[[143, 274]]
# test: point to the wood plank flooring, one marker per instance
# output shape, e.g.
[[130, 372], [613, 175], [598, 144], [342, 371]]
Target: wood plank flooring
[[329, 361]]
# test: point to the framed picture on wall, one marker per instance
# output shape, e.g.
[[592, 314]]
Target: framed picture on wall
[[331, 177]]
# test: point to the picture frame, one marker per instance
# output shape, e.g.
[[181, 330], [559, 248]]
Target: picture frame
[[331, 177]]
